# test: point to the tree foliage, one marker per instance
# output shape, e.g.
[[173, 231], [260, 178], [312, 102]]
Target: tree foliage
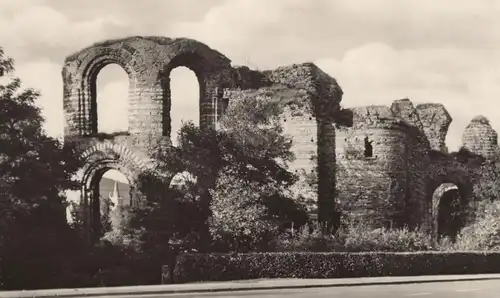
[[252, 202], [239, 191], [106, 207], [35, 170], [482, 234]]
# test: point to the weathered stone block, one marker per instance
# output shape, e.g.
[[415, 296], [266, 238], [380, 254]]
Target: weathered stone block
[[480, 138], [436, 120]]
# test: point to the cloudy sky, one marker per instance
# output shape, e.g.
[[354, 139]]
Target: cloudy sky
[[445, 51]]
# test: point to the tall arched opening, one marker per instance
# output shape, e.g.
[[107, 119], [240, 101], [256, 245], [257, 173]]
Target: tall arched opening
[[109, 100], [449, 211], [109, 196], [185, 72], [452, 203], [450, 195], [184, 100]]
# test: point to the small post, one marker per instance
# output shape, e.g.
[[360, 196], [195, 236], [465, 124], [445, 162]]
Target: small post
[[166, 277]]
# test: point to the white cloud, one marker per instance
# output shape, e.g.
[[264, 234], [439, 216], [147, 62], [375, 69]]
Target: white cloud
[[297, 30], [379, 50], [25, 29], [45, 77], [378, 74]]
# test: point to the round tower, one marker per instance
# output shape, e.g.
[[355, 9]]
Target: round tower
[[372, 158], [480, 138]]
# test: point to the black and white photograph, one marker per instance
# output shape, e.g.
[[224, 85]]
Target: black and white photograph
[[250, 148]]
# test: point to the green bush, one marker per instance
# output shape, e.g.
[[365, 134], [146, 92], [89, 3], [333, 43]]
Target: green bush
[[221, 267]]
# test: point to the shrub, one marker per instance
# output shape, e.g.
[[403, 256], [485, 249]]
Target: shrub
[[247, 216], [353, 237], [308, 238], [220, 267], [240, 218], [482, 234], [358, 237]]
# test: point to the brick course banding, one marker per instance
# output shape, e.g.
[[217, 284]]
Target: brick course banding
[[391, 187]]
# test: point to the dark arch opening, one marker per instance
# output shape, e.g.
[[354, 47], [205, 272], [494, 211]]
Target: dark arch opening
[[109, 87], [184, 100], [110, 194], [449, 215], [197, 65]]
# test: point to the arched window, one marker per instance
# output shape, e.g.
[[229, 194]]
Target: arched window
[[110, 104], [184, 100]]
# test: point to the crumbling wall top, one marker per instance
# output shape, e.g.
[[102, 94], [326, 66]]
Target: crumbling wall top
[[325, 92], [376, 117], [479, 120], [384, 117], [479, 127], [404, 109], [245, 78], [480, 138], [436, 121], [137, 43]]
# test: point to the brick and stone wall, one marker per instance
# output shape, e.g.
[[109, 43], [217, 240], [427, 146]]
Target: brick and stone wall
[[391, 185], [373, 186], [417, 204], [308, 114], [435, 120], [310, 101], [148, 62], [322, 108]]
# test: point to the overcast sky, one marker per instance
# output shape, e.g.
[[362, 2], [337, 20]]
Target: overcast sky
[[445, 51]]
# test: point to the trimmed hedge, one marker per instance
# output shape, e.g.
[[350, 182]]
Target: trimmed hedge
[[223, 267]]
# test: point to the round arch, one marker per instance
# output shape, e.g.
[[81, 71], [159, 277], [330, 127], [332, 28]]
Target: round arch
[[80, 74], [101, 58], [147, 61], [105, 156], [99, 159], [213, 75], [444, 177]]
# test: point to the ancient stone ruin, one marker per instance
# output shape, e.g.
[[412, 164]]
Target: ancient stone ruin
[[390, 160]]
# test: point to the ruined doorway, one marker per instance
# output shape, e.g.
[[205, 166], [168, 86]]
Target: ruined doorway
[[109, 197], [448, 211]]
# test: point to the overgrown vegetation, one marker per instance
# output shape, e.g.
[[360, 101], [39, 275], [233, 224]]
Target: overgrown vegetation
[[482, 233], [352, 237], [36, 243]]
